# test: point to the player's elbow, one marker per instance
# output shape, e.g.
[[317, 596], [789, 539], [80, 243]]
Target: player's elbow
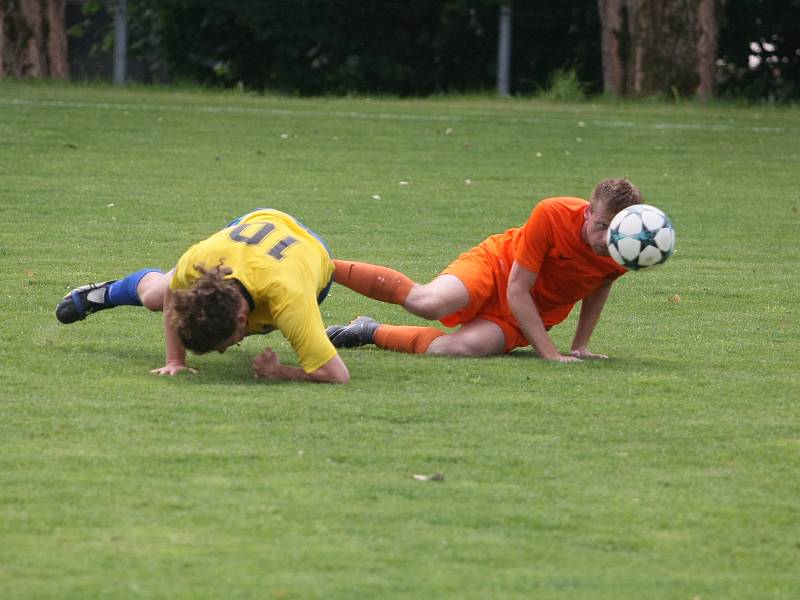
[[517, 297], [334, 371], [339, 377]]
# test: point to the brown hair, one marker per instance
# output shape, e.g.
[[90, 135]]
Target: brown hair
[[204, 315], [614, 195]]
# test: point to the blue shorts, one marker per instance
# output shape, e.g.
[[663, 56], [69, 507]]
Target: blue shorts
[[324, 293]]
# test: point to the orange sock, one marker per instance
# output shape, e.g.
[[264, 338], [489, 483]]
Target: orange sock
[[376, 282], [405, 338]]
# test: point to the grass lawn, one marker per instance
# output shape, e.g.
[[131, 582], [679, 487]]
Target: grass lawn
[[668, 471]]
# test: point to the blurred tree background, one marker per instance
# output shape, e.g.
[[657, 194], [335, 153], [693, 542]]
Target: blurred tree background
[[759, 54], [403, 47]]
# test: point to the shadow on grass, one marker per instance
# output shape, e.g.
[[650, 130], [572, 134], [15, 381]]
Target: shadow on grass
[[231, 368], [617, 362]]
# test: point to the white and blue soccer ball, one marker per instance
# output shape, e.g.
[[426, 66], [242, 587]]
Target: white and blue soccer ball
[[640, 237]]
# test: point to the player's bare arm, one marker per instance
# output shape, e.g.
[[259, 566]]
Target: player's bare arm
[[175, 351], [591, 308], [524, 309], [267, 366]]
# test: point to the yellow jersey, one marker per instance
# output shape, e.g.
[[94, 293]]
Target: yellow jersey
[[283, 267]]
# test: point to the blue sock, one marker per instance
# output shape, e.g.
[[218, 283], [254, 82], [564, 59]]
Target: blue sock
[[123, 291]]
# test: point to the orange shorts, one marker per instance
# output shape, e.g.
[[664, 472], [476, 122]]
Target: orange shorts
[[485, 276]]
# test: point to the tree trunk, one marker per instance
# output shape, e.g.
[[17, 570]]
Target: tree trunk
[[707, 47], [659, 46], [33, 40], [613, 22], [56, 40], [2, 39], [33, 61]]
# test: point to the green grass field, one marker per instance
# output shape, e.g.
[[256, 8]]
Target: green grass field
[[669, 471]]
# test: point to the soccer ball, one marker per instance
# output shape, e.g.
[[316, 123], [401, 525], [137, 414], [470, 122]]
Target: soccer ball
[[640, 237]]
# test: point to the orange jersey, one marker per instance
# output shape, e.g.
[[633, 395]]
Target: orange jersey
[[549, 244]]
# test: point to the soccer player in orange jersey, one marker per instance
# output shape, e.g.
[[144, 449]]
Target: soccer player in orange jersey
[[508, 291]]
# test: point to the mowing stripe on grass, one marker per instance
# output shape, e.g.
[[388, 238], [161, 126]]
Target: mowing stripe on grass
[[615, 124]]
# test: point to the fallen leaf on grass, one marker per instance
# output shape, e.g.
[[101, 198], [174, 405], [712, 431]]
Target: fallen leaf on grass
[[434, 477]]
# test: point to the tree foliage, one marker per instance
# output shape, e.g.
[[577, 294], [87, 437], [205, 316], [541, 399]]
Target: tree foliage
[[325, 46], [419, 48], [362, 46], [760, 49]]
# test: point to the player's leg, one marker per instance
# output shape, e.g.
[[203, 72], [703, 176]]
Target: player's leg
[[366, 330], [151, 289], [442, 296], [373, 281], [94, 297], [465, 288], [476, 338]]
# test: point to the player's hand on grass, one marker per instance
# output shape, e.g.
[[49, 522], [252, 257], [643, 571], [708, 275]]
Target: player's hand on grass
[[558, 357], [583, 353], [172, 369], [265, 364], [565, 358]]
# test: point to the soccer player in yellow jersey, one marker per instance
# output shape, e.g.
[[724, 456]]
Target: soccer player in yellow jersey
[[263, 271]]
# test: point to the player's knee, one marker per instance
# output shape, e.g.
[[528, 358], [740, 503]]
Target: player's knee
[[425, 305], [458, 344], [449, 345], [152, 299], [151, 290]]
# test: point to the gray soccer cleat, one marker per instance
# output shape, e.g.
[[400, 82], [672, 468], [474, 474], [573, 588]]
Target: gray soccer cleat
[[358, 332]]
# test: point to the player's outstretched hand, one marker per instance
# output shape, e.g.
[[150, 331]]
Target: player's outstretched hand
[[265, 364], [172, 369], [565, 358], [585, 353]]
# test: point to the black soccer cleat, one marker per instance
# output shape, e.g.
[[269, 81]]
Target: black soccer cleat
[[83, 301], [358, 332]]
